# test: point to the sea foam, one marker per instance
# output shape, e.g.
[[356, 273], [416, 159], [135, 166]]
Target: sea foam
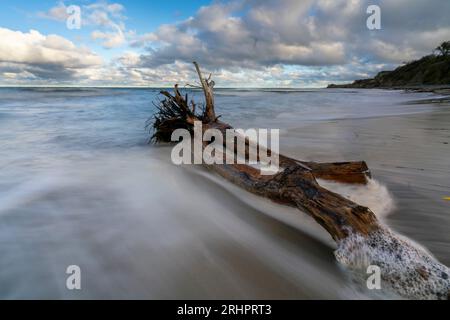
[[373, 195], [406, 269]]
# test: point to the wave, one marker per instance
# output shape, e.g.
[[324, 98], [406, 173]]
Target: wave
[[373, 195], [406, 268]]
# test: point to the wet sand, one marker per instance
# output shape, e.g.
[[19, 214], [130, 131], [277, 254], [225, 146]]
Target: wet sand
[[410, 154], [79, 185]]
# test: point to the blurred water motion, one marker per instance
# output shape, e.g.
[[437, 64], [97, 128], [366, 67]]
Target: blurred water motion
[[80, 186]]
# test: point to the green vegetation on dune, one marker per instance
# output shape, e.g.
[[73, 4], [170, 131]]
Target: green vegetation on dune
[[431, 70]]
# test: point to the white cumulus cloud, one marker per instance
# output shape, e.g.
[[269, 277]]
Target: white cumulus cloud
[[35, 55]]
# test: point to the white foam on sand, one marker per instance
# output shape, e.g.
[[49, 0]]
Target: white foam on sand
[[373, 195], [406, 269]]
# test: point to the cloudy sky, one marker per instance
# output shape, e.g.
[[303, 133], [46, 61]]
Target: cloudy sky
[[244, 43]]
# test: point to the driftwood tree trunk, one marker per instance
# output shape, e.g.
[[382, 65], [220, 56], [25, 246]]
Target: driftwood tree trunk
[[296, 185]]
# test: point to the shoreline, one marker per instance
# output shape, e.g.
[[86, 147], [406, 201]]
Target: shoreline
[[443, 91], [438, 89]]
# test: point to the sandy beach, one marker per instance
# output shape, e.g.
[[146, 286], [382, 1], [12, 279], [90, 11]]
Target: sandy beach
[[79, 184]]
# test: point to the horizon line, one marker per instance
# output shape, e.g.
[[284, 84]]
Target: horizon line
[[147, 87]]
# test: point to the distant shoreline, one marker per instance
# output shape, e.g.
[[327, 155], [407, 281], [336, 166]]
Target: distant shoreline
[[438, 89], [428, 74]]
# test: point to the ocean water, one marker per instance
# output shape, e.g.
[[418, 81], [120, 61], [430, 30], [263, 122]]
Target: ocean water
[[80, 185]]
